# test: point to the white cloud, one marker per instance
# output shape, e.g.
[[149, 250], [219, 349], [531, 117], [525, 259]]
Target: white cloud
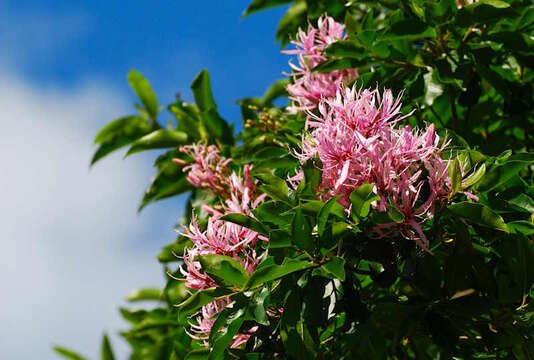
[[72, 245]]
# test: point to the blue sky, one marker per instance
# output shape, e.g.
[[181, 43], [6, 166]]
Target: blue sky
[[72, 243]]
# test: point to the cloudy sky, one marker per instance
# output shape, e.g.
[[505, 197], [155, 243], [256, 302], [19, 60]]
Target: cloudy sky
[[72, 243]]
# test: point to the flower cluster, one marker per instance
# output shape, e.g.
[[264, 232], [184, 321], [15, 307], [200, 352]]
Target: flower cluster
[[238, 194], [309, 87], [208, 170], [355, 137]]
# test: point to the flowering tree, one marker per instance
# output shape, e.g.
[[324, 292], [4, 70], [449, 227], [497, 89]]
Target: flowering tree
[[385, 212]]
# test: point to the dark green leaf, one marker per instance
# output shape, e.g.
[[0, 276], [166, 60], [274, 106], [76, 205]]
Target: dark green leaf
[[322, 218], [336, 267], [301, 231], [273, 272]]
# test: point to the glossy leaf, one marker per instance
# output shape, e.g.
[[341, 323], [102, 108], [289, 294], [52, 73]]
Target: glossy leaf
[[273, 272], [336, 267], [322, 218], [199, 299], [361, 200], [479, 214], [225, 269]]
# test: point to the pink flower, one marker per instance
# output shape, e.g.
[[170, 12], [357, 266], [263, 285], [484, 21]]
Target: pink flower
[[238, 194], [209, 169], [201, 329], [309, 87], [354, 136]]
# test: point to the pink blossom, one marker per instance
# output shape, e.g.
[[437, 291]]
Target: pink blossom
[[237, 194], [209, 169], [204, 321], [355, 138], [309, 87]]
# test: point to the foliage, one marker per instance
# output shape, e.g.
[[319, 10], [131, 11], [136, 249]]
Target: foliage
[[316, 275]]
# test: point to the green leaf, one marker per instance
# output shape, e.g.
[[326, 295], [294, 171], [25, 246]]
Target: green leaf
[[521, 227], [226, 333], [158, 139], [275, 91], [523, 203], [336, 267], [410, 29], [119, 133], [246, 221], [68, 354], [257, 5], [198, 354], [479, 214], [144, 92], [273, 272], [315, 206], [395, 215], [322, 218], [456, 177], [301, 231], [500, 174], [107, 350], [361, 200], [169, 181], [202, 91], [475, 177], [213, 126], [291, 21], [279, 239], [224, 268], [145, 294], [258, 306], [187, 117], [275, 187], [199, 299]]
